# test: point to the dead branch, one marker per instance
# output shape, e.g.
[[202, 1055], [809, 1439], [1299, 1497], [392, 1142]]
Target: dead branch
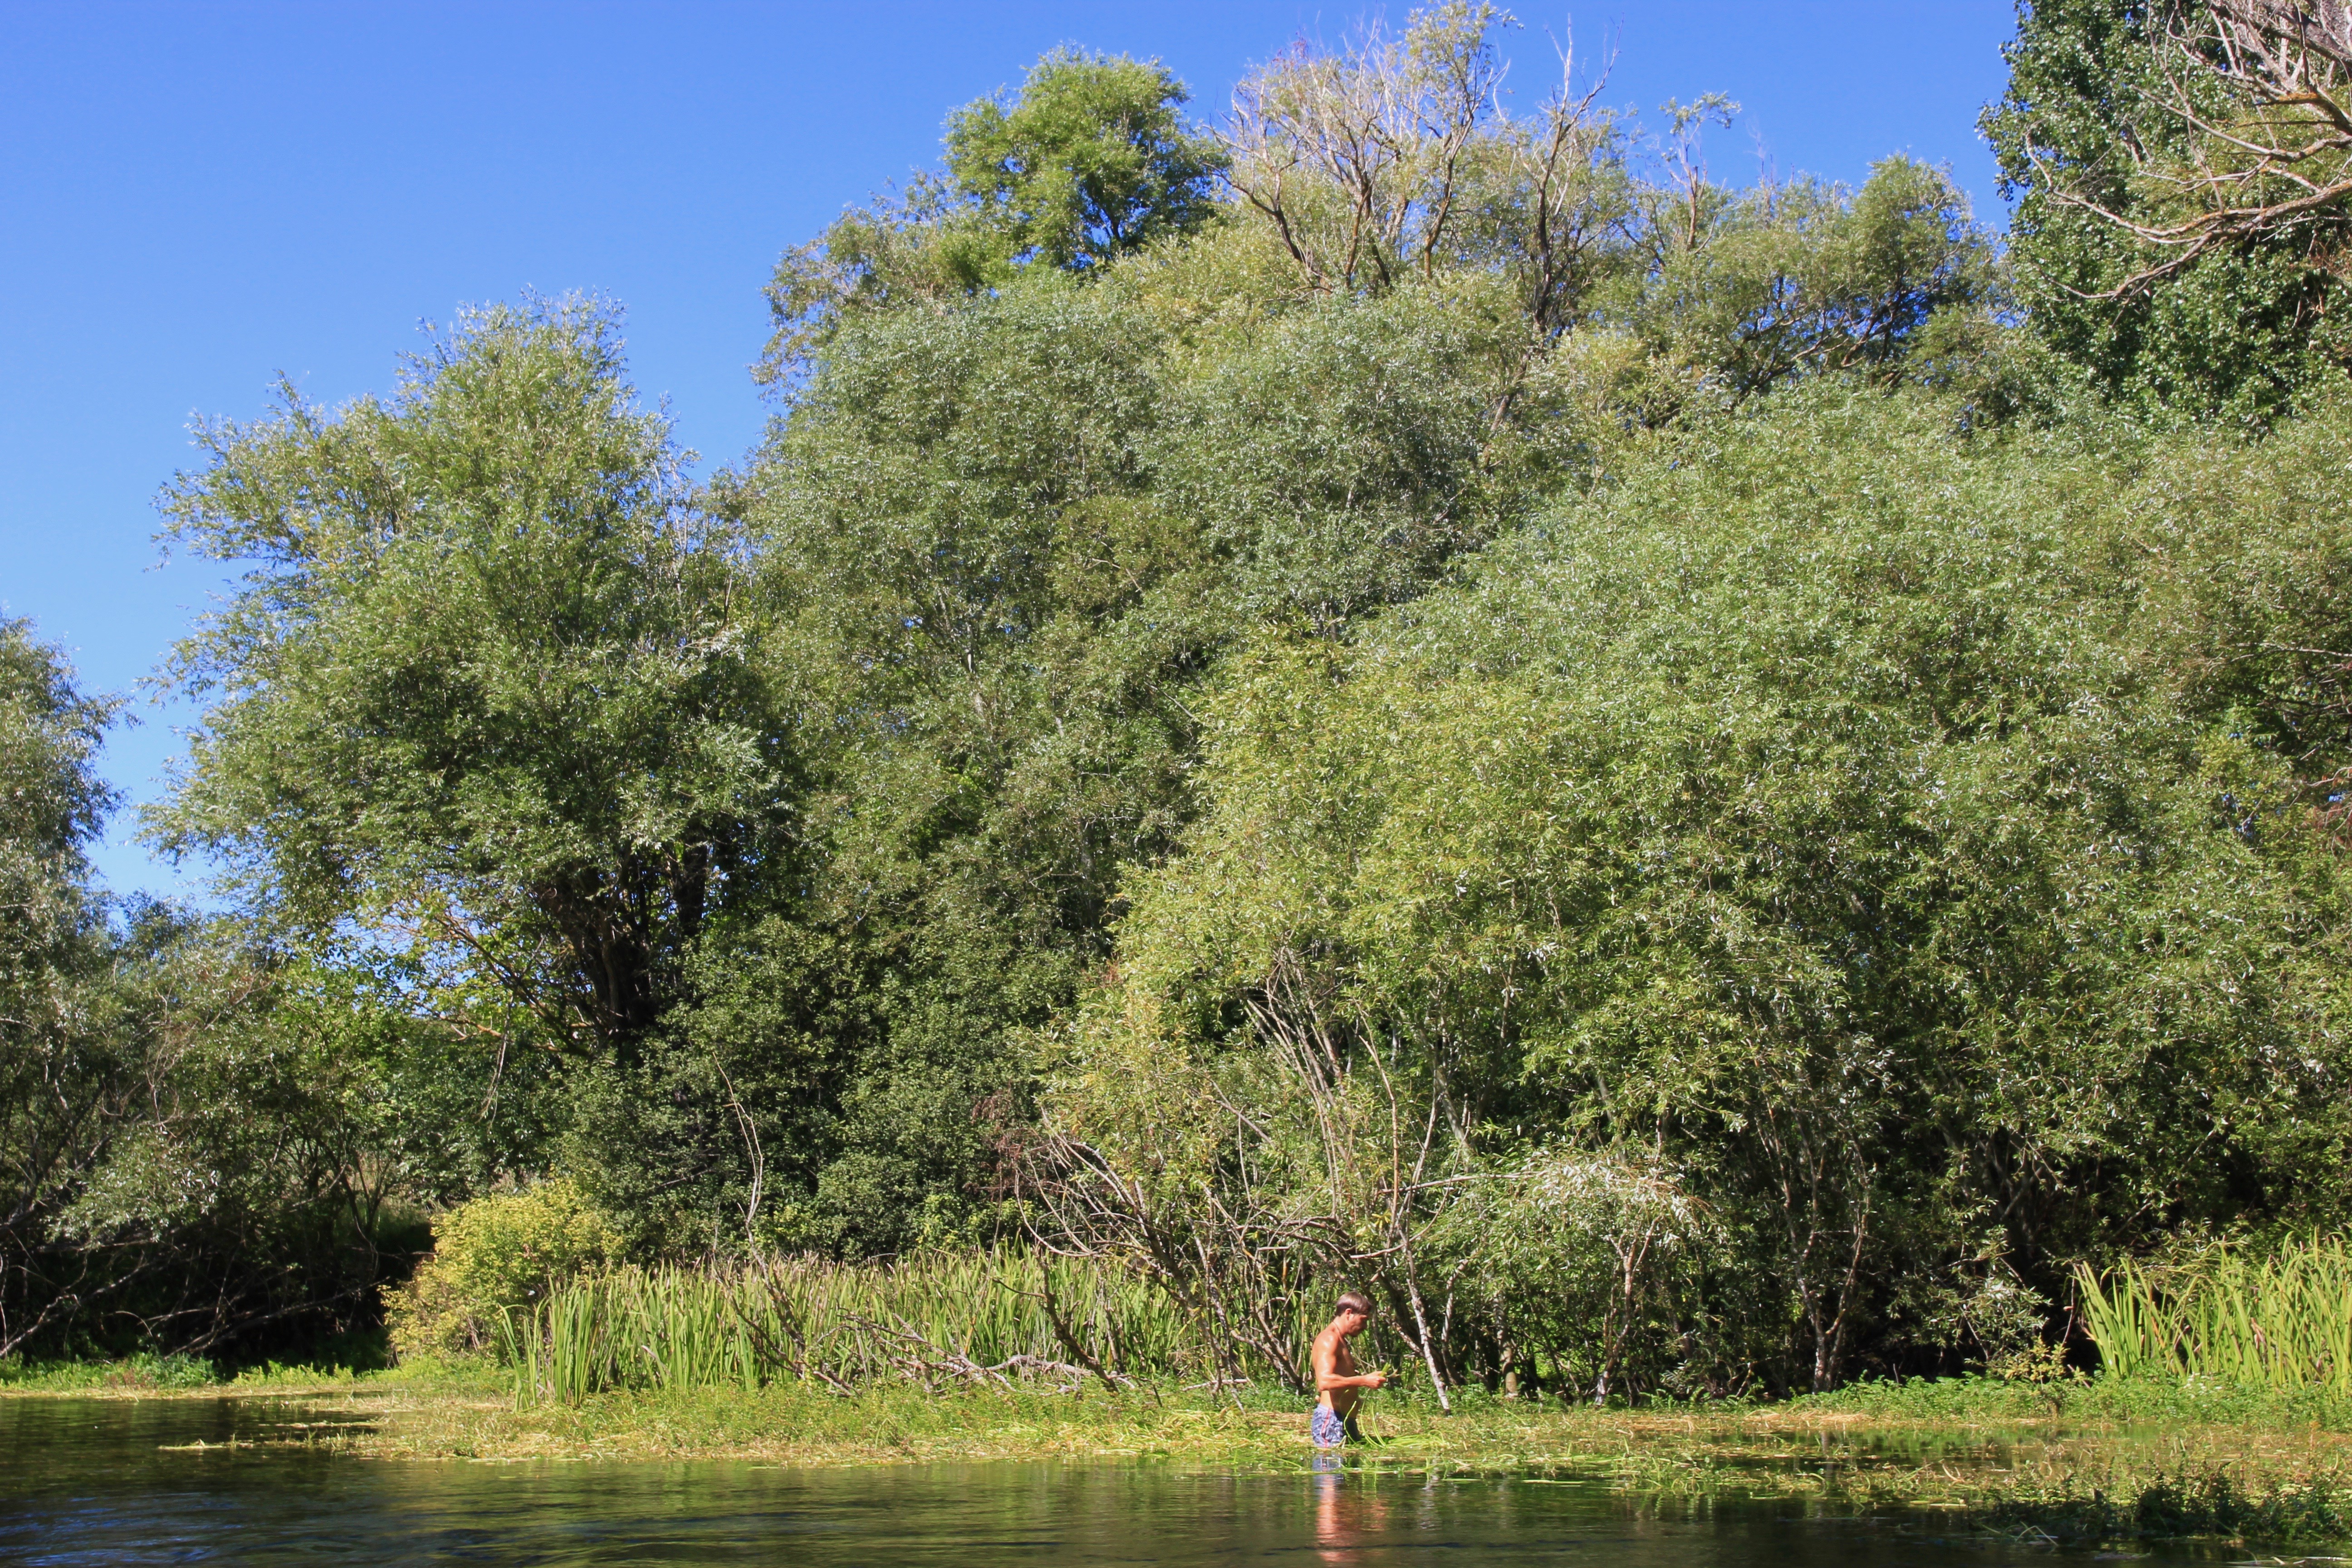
[[2281, 159]]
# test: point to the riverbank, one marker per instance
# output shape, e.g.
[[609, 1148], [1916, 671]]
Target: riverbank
[[2079, 1461]]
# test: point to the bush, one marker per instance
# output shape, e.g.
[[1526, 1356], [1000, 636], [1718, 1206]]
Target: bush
[[493, 1254], [144, 1370]]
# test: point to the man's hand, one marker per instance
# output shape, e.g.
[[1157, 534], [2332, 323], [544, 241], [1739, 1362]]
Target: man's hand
[[1373, 1379]]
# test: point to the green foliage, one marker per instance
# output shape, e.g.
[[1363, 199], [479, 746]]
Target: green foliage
[[2283, 1321], [62, 1058], [484, 694], [1340, 459], [714, 1136], [494, 1255], [187, 1139], [1004, 541], [1807, 805], [52, 801], [1583, 1263], [1806, 278], [1090, 161], [258, 1169], [1391, 163], [144, 1370], [940, 1320], [994, 627], [2094, 127]]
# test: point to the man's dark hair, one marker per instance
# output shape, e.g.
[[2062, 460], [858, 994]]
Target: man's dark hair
[[1357, 1302]]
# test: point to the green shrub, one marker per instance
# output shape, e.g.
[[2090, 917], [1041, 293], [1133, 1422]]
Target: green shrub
[[493, 1254], [146, 1370]]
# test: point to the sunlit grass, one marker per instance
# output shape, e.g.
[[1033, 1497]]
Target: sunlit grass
[[126, 1374], [933, 1322], [2281, 1321]]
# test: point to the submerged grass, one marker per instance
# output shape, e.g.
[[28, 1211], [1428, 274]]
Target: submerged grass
[[1970, 1459], [2110, 1461], [2314, 1510]]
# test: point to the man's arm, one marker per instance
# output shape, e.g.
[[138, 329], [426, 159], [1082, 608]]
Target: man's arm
[[1327, 1375], [1327, 1381]]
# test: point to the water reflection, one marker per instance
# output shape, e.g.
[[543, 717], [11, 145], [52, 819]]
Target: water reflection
[[84, 1484], [1345, 1518]]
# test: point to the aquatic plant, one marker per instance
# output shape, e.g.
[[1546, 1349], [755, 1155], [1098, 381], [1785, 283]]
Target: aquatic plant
[[936, 1320], [2282, 1320], [2173, 1506]]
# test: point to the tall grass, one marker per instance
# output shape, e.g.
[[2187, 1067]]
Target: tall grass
[[937, 1321], [2284, 1321]]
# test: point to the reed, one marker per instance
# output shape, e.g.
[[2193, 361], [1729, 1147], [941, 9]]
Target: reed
[[2280, 1320], [938, 1321]]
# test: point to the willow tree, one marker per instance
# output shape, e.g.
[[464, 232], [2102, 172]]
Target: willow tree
[[486, 699], [63, 1068], [1092, 159], [1878, 841]]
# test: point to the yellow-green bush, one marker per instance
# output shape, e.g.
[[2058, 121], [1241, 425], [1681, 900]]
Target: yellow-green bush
[[492, 1255]]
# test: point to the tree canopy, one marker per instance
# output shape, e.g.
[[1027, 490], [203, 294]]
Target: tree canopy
[[2180, 170], [1091, 160], [1706, 787], [484, 691]]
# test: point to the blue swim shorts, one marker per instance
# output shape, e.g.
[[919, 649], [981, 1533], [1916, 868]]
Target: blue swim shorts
[[1328, 1429]]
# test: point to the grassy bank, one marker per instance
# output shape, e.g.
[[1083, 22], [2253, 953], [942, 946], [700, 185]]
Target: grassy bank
[[2098, 1460]]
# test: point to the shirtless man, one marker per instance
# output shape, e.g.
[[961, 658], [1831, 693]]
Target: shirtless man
[[1337, 1381]]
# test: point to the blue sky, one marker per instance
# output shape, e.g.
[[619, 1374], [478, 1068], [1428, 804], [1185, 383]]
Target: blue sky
[[195, 197]]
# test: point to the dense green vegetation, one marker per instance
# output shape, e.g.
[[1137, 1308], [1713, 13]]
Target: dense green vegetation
[[2179, 168], [1708, 790], [2284, 1322]]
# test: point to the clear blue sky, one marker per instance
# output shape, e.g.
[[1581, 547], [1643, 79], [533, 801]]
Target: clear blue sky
[[199, 195]]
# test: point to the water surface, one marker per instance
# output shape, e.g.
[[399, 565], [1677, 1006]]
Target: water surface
[[107, 1482]]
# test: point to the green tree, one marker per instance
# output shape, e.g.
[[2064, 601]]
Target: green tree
[[257, 1181], [995, 625], [712, 1138], [197, 1141], [1808, 279], [2133, 154], [1391, 159], [63, 1064], [1342, 458], [1389, 164], [487, 699], [1091, 160], [1805, 814], [1005, 528]]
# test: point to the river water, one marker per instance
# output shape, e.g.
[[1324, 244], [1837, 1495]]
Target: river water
[[89, 1483]]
